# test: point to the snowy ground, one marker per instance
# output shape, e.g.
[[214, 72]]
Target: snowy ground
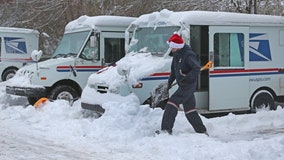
[[60, 131]]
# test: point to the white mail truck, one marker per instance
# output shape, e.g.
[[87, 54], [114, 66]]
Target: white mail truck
[[88, 44], [16, 46], [247, 52]]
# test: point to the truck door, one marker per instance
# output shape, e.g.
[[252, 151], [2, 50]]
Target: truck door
[[88, 61], [112, 47], [228, 82]]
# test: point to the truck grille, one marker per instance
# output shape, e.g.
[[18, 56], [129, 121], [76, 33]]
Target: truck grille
[[102, 89]]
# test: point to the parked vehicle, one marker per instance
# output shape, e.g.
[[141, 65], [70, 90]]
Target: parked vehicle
[[246, 50], [88, 44], [16, 45]]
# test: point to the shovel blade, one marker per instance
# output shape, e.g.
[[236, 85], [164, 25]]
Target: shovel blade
[[160, 95]]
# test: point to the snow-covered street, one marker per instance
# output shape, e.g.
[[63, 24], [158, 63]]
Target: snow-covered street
[[60, 131], [15, 145]]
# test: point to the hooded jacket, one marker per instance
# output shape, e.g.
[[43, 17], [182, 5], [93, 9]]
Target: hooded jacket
[[184, 68]]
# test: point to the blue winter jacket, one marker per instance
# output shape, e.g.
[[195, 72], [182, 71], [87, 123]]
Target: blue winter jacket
[[184, 68]]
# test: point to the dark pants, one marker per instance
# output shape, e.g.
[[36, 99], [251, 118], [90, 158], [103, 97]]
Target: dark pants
[[184, 96]]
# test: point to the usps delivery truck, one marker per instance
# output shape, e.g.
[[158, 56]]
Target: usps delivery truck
[[16, 46], [246, 51], [88, 44]]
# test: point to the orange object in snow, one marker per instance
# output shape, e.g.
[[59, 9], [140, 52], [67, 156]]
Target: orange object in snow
[[40, 102]]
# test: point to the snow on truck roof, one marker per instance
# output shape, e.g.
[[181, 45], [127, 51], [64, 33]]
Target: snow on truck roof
[[18, 30], [105, 20], [170, 18], [229, 18], [163, 18]]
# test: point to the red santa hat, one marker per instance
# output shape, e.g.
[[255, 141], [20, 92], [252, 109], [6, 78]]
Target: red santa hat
[[175, 41]]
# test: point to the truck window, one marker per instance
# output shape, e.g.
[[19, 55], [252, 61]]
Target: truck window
[[114, 49], [229, 50], [152, 39], [71, 44], [90, 52]]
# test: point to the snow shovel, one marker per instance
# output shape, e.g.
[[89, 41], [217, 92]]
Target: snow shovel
[[160, 95]]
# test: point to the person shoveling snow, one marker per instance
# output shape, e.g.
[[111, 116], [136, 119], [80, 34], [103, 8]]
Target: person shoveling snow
[[185, 70]]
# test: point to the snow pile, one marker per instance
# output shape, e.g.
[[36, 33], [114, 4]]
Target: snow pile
[[163, 18], [230, 18], [19, 30], [139, 65], [91, 22], [126, 131]]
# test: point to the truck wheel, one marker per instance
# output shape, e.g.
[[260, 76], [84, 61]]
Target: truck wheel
[[9, 73], [263, 100], [64, 92], [33, 100]]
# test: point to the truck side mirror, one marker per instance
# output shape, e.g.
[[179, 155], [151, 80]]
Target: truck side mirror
[[123, 70], [36, 55], [93, 41]]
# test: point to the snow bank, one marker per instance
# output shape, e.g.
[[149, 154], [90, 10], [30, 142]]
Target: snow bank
[[126, 131]]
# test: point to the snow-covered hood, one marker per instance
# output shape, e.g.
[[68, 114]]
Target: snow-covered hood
[[50, 63], [139, 66], [24, 74]]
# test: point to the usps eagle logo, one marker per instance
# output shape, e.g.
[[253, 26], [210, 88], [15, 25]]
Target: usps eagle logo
[[259, 48], [15, 45]]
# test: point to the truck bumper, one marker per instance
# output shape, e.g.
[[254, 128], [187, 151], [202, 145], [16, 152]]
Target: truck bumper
[[93, 107], [26, 91]]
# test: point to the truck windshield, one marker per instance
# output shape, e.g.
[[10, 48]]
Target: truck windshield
[[152, 40], [70, 44]]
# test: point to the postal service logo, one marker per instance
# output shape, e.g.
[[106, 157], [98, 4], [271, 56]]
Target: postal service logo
[[259, 48]]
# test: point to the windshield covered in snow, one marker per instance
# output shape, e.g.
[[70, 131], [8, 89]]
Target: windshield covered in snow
[[152, 40], [71, 44]]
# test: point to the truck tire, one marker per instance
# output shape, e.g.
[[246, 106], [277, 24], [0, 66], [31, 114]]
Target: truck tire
[[64, 92], [263, 100], [33, 100], [9, 73]]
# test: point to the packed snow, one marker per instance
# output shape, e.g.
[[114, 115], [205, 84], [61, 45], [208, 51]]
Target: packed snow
[[58, 130], [93, 21], [139, 65]]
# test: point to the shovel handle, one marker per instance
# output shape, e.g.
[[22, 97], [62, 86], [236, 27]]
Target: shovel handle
[[208, 65]]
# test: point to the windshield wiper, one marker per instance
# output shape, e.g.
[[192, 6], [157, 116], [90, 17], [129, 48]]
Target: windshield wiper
[[71, 54], [65, 55], [159, 54], [142, 52], [58, 55]]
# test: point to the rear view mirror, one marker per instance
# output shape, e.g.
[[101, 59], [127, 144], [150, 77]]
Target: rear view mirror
[[36, 55]]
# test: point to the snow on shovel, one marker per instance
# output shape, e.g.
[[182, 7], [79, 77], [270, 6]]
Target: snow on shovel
[[160, 95]]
